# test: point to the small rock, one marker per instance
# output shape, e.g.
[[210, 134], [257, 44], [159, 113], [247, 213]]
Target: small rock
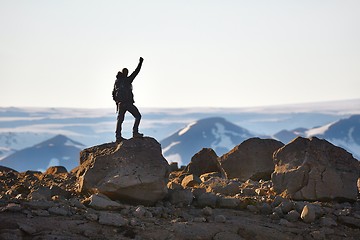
[[220, 219], [59, 211], [248, 192], [112, 219], [139, 212], [27, 228], [207, 199], [40, 204], [207, 211], [206, 176], [327, 222], [91, 216], [56, 170], [13, 207], [266, 209], [349, 221], [286, 223], [40, 212], [228, 202], [277, 200], [317, 234], [260, 192], [101, 202], [292, 216], [286, 206], [308, 214], [183, 196], [252, 208], [199, 219], [42, 193], [174, 185], [190, 181]]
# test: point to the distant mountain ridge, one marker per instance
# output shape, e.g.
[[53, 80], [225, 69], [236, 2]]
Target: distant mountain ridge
[[59, 150], [216, 133]]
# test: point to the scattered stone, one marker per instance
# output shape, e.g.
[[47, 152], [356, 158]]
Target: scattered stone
[[139, 212], [252, 208], [228, 202], [55, 170], [207, 199], [12, 207], [327, 222], [40, 212], [42, 193], [199, 219], [91, 216], [27, 228], [190, 181], [174, 185], [308, 214], [59, 211], [112, 219], [39, 204], [206, 176], [174, 166], [292, 216], [349, 221], [220, 219], [207, 211], [181, 196], [266, 209], [101, 202]]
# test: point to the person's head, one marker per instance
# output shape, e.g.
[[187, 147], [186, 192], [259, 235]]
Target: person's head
[[125, 72], [119, 74]]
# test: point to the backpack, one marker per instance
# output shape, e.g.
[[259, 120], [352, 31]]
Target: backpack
[[119, 92]]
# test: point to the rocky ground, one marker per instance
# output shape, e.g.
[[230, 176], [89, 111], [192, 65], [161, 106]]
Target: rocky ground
[[35, 205]]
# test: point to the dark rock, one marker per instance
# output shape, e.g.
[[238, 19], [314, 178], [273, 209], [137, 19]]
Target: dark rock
[[133, 171], [252, 159], [205, 161], [56, 170], [314, 169]]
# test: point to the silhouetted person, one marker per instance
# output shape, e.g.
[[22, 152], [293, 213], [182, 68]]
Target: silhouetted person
[[124, 99]]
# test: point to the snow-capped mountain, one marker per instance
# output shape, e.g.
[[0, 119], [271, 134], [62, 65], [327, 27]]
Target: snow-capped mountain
[[56, 151], [344, 133], [216, 133]]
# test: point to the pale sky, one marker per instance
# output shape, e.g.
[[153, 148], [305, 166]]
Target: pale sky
[[198, 53]]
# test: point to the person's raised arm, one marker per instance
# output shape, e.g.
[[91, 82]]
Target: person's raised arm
[[137, 70]]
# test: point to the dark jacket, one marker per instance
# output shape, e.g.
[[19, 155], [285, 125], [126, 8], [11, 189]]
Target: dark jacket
[[121, 81]]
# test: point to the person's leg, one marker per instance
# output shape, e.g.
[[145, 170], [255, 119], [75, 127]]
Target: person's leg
[[120, 120], [135, 112]]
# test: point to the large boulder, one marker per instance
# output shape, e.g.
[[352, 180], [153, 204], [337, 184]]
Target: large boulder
[[205, 161], [252, 159], [314, 169], [133, 171]]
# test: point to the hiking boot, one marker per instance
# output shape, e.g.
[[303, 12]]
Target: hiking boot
[[120, 139], [137, 135]]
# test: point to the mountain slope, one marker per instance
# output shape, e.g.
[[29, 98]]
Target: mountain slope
[[344, 133], [215, 133], [58, 150]]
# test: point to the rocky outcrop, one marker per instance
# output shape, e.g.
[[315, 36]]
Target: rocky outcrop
[[133, 171], [314, 169], [205, 161], [252, 159]]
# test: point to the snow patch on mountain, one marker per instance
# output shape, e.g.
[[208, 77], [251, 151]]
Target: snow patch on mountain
[[318, 130], [186, 129]]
